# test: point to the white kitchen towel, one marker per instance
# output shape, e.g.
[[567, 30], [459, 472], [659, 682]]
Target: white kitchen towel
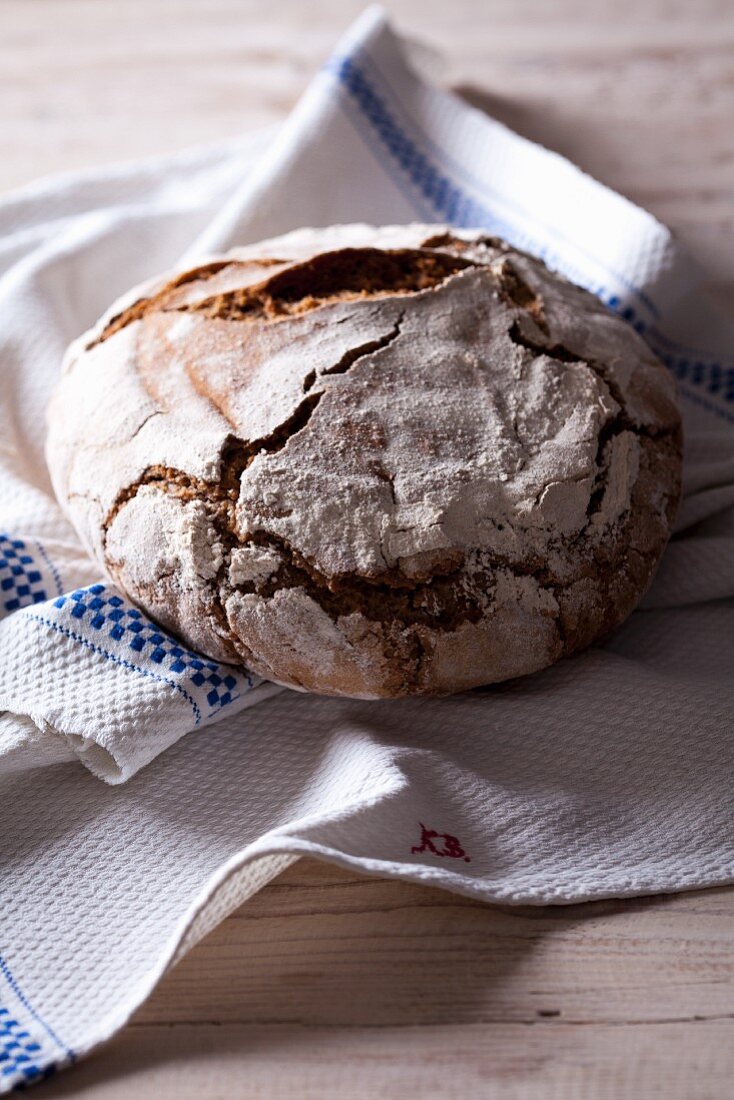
[[609, 774], [92, 675]]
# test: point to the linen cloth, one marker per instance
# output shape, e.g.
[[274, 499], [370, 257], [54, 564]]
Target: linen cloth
[[609, 774]]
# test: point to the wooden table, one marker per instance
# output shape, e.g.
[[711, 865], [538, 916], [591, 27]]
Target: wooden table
[[325, 984]]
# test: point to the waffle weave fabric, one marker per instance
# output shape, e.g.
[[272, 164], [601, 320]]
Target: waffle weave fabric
[[607, 775]]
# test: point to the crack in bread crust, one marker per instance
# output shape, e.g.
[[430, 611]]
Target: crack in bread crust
[[349, 274], [404, 615], [615, 426], [442, 603]]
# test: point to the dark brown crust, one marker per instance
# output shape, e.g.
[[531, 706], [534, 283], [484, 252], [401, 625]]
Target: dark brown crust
[[441, 603], [404, 608], [515, 290], [406, 616], [346, 274]]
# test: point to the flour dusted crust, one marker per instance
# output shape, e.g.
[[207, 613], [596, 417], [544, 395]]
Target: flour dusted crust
[[371, 462]]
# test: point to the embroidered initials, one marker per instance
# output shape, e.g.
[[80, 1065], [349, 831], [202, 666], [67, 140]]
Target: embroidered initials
[[439, 844]]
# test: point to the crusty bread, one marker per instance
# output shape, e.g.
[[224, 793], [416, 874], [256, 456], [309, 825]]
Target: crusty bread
[[371, 462]]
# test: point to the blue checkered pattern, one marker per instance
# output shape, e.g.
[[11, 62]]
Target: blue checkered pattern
[[21, 581], [108, 615], [21, 1057]]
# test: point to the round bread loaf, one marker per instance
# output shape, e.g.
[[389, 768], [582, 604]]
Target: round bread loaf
[[371, 462]]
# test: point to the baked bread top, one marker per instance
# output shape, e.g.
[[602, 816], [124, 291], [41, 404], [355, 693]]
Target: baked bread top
[[371, 462]]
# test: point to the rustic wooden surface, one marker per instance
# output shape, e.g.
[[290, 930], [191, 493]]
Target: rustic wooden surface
[[325, 984]]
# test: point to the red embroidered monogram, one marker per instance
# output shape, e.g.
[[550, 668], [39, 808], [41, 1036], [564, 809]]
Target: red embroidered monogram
[[448, 845]]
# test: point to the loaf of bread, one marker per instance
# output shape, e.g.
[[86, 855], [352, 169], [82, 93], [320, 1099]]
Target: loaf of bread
[[371, 462]]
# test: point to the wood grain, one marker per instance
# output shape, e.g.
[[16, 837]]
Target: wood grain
[[325, 984], [637, 92], [330, 985]]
